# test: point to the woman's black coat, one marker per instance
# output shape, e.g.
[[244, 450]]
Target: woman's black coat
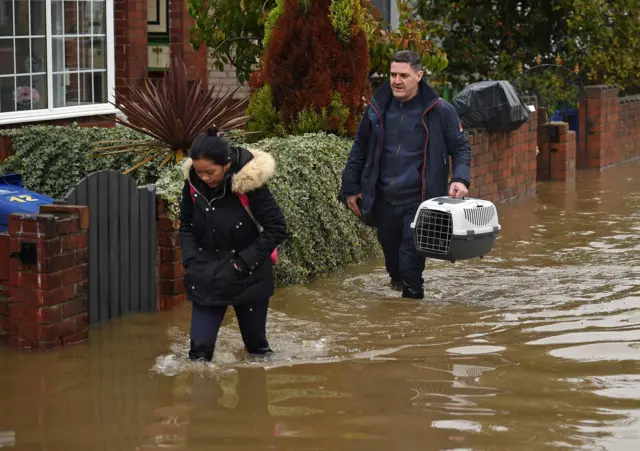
[[218, 233]]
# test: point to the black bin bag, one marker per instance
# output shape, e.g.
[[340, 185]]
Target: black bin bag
[[492, 105]]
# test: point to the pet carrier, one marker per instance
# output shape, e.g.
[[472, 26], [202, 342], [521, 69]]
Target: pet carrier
[[451, 229]]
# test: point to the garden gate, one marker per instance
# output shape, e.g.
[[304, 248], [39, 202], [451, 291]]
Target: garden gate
[[122, 244]]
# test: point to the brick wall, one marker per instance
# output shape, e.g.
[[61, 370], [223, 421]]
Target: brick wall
[[557, 157], [131, 43], [4, 284], [614, 133], [48, 299], [503, 165], [179, 23], [227, 79], [170, 276]]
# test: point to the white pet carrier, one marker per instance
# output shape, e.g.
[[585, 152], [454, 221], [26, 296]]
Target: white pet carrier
[[455, 229]]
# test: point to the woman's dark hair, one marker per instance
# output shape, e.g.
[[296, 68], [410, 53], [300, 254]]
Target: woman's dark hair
[[210, 146]]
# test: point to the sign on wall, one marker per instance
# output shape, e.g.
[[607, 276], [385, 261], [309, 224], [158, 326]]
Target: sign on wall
[[158, 17]]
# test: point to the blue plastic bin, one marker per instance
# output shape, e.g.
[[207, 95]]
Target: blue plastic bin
[[571, 117], [16, 199]]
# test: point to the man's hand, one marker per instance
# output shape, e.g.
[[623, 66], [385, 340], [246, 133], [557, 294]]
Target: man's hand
[[458, 190], [352, 202]]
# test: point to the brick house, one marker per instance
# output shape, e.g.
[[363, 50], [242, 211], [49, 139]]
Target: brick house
[[68, 60], [63, 60]]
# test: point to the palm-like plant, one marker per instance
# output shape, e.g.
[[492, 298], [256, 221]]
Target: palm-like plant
[[172, 114]]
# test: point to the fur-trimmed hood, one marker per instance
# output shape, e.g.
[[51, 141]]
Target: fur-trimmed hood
[[252, 169]]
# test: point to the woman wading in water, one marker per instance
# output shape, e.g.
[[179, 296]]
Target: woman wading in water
[[227, 247]]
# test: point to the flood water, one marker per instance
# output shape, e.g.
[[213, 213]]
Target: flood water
[[535, 347]]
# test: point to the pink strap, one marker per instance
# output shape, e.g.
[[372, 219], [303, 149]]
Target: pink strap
[[244, 200]]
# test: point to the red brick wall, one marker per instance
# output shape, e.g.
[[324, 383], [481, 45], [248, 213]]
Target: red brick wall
[[503, 165], [170, 276], [4, 284], [48, 300], [557, 158], [131, 44], [614, 134], [179, 23]]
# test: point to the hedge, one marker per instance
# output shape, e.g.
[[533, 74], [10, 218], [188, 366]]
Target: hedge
[[323, 235], [52, 159]]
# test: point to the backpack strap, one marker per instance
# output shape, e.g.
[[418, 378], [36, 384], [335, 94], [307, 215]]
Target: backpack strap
[[244, 200]]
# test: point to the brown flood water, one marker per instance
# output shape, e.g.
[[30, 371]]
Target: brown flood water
[[536, 347]]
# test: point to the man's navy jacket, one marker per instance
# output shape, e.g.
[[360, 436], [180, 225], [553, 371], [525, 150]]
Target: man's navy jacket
[[443, 138]]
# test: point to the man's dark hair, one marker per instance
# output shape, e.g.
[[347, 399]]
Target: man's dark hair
[[409, 57]]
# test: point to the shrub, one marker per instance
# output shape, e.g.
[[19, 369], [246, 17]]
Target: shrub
[[316, 71], [172, 114], [323, 235], [265, 116], [53, 159]]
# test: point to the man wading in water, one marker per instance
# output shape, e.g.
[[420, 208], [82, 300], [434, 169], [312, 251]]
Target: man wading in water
[[399, 158]]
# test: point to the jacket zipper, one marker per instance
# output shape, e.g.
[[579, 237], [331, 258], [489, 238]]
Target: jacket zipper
[[209, 202], [426, 144], [399, 145], [381, 128]]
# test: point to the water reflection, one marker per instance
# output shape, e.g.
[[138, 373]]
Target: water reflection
[[534, 347]]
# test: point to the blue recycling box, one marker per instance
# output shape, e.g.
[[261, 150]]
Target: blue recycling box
[[14, 198]]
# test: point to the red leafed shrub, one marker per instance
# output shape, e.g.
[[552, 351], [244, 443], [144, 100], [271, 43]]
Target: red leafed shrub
[[306, 64]]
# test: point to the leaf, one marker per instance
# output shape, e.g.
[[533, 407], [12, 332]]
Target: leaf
[[173, 113]]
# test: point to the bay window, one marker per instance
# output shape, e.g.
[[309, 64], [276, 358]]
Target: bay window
[[56, 59]]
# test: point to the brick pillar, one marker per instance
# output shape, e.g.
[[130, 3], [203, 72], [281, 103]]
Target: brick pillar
[[4, 284], [131, 44], [179, 23], [170, 277], [557, 158], [597, 134], [6, 149], [48, 299]]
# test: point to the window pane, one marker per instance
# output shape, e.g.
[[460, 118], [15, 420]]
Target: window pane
[[57, 53], [85, 53], [70, 17], [7, 88], [23, 56], [6, 56], [65, 90], [85, 17], [78, 48], [22, 17], [6, 18], [100, 87], [73, 89], [71, 53], [24, 94], [99, 17], [59, 90], [99, 53], [57, 17], [38, 27], [39, 85], [38, 55], [86, 88]]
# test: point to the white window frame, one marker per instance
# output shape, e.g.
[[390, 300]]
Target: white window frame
[[69, 112]]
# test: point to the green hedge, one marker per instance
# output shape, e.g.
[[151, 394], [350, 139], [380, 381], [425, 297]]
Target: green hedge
[[52, 159], [323, 235]]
